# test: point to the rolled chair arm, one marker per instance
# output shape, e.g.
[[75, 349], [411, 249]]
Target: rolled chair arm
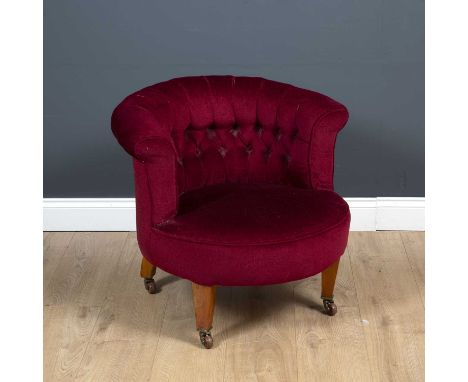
[[143, 133], [321, 120]]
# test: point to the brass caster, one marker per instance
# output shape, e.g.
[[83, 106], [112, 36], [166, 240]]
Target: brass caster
[[205, 338], [150, 286], [330, 307]]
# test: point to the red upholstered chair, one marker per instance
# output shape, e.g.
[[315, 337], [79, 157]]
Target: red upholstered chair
[[234, 184]]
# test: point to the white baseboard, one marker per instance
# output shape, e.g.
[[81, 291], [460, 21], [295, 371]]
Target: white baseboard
[[387, 214], [89, 214], [118, 214]]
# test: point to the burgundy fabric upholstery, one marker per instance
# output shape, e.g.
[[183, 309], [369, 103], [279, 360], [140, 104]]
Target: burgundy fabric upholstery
[[234, 178]]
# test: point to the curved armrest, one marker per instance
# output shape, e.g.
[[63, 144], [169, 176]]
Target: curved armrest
[[319, 120], [143, 133]]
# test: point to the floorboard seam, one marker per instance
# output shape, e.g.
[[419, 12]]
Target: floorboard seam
[[359, 310]]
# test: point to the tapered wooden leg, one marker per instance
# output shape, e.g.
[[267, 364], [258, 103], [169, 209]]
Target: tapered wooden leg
[[203, 304], [147, 271], [328, 285]]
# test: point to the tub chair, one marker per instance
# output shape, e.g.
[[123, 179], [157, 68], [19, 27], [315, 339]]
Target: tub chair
[[234, 184]]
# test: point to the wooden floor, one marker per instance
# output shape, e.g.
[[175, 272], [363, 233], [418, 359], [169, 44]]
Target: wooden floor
[[100, 324]]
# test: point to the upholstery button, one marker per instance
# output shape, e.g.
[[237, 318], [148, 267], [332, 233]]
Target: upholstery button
[[222, 151], [267, 152], [258, 129], [235, 130], [198, 152], [248, 149]]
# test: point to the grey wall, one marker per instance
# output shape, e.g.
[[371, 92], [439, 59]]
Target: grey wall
[[368, 54]]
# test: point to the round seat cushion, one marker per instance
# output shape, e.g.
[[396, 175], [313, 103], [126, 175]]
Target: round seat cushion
[[251, 234]]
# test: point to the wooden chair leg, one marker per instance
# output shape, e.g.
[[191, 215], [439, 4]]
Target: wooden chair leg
[[203, 304], [147, 271], [328, 285]]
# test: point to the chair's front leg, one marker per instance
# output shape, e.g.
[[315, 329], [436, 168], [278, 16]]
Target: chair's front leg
[[203, 304], [147, 271], [328, 285]]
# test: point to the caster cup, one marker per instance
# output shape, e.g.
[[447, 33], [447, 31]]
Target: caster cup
[[206, 338], [330, 307], [150, 286]]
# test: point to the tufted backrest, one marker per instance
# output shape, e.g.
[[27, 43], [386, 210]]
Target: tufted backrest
[[235, 129]]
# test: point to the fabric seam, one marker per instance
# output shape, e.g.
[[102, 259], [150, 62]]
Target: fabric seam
[[266, 243]]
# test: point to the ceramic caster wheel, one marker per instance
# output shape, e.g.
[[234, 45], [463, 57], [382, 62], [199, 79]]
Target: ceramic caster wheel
[[330, 307], [150, 286], [206, 339]]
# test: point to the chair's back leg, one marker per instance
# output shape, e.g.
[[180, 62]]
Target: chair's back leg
[[147, 271], [203, 304], [328, 286]]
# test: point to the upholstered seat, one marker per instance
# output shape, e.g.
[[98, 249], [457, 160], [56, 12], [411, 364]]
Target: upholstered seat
[[252, 234], [234, 184]]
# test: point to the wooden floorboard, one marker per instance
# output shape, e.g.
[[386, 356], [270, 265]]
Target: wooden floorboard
[[178, 356], [414, 246], [325, 344], [55, 246], [261, 339], [390, 303], [100, 324], [127, 329]]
